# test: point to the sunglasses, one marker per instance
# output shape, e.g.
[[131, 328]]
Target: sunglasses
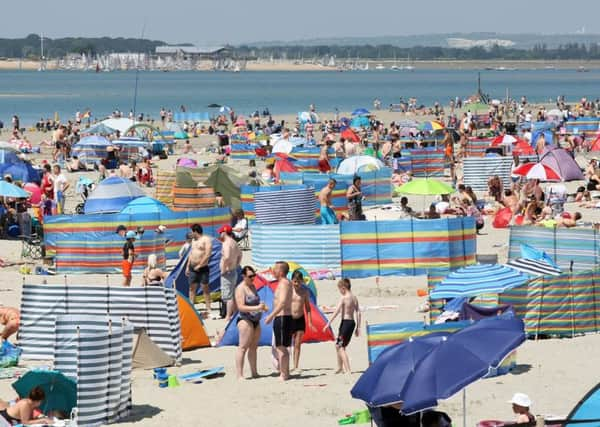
[[252, 276]]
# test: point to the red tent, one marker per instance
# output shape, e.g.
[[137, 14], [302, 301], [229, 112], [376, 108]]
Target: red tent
[[350, 135], [595, 145]]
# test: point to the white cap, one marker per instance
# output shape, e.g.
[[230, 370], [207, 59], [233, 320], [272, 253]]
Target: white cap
[[521, 399]]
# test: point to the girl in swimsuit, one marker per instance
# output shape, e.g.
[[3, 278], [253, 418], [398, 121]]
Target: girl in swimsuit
[[22, 411], [153, 276], [250, 310]]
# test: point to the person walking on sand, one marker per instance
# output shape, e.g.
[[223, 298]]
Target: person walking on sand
[[197, 265], [300, 307], [281, 316], [250, 309], [350, 310], [327, 212], [231, 257], [128, 257]]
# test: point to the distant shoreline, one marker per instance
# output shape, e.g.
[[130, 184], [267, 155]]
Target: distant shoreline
[[477, 65]]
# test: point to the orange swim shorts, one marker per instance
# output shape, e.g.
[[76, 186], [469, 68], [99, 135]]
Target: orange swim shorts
[[127, 268]]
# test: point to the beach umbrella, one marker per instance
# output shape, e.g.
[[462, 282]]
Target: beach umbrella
[[7, 146], [431, 125], [425, 187], [477, 280], [283, 146], [60, 391], [224, 109], [505, 140], [522, 148], [98, 129], [534, 267], [537, 171], [35, 192], [438, 367], [10, 190], [355, 164], [361, 112]]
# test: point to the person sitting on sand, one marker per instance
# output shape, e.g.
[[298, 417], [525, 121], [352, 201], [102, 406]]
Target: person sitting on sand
[[76, 165], [22, 411], [405, 210], [10, 318], [349, 308], [520, 406], [153, 276]]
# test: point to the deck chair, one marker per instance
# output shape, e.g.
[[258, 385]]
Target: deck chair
[[556, 196], [31, 247]]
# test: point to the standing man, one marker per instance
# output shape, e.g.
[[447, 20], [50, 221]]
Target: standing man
[[300, 306], [128, 257], [231, 257], [60, 187], [282, 313], [327, 212], [197, 265]]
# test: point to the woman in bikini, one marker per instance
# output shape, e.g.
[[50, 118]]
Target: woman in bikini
[[250, 310], [153, 276], [22, 411]]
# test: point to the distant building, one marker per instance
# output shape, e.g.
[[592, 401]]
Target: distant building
[[193, 52], [486, 44]]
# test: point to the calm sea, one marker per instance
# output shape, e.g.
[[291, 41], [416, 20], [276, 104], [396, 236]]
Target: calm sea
[[32, 94]]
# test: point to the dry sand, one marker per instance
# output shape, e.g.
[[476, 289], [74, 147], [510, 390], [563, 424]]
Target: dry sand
[[555, 373]]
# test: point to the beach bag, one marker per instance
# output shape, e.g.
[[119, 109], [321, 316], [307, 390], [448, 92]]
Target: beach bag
[[502, 218], [9, 355]]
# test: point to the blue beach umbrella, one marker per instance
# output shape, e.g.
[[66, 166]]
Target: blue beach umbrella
[[10, 190], [438, 367], [60, 391], [361, 112], [477, 280]]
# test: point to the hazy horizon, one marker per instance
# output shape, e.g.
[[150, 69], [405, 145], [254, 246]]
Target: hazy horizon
[[238, 22]]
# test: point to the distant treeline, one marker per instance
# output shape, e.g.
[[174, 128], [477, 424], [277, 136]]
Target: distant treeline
[[539, 52], [30, 46]]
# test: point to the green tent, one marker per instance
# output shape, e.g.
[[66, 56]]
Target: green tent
[[226, 181]]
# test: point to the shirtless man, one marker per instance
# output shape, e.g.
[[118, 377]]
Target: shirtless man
[[300, 306], [10, 318], [349, 308], [197, 265], [282, 313], [511, 201], [327, 212], [231, 256]]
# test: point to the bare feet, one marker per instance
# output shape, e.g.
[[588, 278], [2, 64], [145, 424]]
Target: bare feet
[[339, 371]]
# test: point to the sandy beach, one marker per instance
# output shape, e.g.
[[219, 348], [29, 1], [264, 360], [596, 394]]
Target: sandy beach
[[555, 373]]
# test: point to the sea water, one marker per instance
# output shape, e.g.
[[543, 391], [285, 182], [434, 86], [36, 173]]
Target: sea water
[[33, 95]]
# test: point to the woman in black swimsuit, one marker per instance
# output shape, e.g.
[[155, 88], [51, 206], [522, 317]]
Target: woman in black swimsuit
[[250, 310], [22, 411]]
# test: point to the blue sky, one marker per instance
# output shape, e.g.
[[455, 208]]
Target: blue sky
[[206, 22]]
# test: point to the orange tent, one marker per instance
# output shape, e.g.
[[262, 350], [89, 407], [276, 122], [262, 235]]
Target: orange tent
[[193, 334]]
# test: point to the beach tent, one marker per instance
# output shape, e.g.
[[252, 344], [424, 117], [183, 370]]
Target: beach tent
[[121, 124], [193, 334], [146, 205], [177, 278], [266, 292], [223, 179], [559, 160], [360, 122], [146, 354], [112, 195], [91, 149], [98, 129], [19, 169]]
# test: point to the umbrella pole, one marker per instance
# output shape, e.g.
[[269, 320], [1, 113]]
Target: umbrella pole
[[464, 403]]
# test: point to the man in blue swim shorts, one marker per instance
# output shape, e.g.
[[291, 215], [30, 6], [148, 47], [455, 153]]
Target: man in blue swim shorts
[[327, 212]]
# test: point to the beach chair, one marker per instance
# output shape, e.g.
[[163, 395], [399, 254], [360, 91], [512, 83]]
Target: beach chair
[[556, 196], [31, 247]]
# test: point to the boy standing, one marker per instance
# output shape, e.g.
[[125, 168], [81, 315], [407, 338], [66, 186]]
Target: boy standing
[[348, 306], [128, 257], [300, 306]]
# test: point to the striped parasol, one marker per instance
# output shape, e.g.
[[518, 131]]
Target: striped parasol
[[533, 267], [478, 279]]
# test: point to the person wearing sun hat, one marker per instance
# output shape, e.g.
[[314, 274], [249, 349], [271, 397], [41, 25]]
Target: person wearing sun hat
[[520, 405]]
